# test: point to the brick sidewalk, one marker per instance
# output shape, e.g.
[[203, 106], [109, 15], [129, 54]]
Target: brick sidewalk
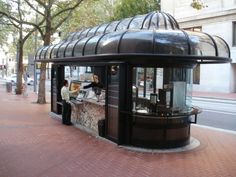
[[34, 145]]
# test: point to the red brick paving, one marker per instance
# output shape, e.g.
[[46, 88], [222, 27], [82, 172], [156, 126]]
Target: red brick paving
[[34, 145]]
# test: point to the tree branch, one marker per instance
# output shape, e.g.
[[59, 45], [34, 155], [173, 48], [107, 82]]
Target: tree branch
[[67, 9], [15, 25], [61, 21], [41, 3], [35, 9], [28, 35]]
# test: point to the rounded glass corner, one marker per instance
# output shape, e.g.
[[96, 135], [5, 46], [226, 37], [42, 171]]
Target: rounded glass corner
[[201, 44], [109, 43], [162, 92], [222, 46], [90, 47], [43, 52], [171, 42]]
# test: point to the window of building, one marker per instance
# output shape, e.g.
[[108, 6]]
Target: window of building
[[196, 28], [196, 75], [234, 33]]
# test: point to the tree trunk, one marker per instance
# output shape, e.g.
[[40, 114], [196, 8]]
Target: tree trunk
[[19, 68], [46, 39], [41, 92]]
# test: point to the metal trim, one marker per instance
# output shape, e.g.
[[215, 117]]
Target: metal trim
[[214, 42], [146, 18], [188, 41]]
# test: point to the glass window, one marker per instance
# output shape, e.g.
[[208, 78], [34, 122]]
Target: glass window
[[147, 21], [138, 42], [123, 24], [92, 31], [54, 51], [69, 48], [234, 33], [84, 33], [171, 42], [80, 76], [111, 27], [196, 74], [61, 50], [101, 29], [77, 35], [137, 22], [222, 47], [70, 36], [156, 21], [43, 52], [162, 91], [91, 46], [49, 51], [201, 44], [109, 43], [78, 50], [195, 28], [38, 53]]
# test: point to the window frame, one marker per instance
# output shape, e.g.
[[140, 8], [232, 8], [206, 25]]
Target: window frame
[[234, 34]]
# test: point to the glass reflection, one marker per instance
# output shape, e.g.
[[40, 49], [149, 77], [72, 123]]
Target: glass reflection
[[222, 47], [162, 91], [171, 42], [201, 44]]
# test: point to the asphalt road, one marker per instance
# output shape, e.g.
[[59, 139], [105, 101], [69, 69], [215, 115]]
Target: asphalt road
[[217, 113]]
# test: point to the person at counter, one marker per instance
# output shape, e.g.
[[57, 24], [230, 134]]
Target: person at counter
[[96, 86], [66, 104]]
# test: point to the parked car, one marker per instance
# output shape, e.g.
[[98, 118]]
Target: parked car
[[13, 77]]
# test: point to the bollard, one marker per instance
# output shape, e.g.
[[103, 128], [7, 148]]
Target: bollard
[[9, 87], [101, 128]]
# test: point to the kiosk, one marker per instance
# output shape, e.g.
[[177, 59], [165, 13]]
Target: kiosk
[[145, 64]]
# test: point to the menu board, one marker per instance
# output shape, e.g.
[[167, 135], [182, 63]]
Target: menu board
[[74, 86]]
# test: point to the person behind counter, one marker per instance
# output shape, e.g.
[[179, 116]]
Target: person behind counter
[[96, 86], [66, 107]]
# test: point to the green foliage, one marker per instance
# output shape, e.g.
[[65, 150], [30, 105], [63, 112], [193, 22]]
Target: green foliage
[[198, 4], [89, 14], [5, 29], [130, 8]]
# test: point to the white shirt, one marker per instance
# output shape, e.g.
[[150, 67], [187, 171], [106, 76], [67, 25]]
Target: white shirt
[[65, 93]]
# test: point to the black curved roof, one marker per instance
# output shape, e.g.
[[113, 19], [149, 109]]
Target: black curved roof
[[154, 38]]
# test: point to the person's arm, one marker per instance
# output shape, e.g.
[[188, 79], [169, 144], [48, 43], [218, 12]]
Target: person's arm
[[88, 86]]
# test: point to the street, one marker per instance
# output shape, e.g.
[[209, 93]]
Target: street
[[216, 113]]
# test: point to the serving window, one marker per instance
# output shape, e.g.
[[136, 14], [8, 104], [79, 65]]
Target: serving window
[[162, 91]]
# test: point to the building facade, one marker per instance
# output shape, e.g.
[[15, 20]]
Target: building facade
[[218, 17]]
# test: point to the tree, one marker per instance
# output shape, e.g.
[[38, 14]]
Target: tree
[[198, 4], [53, 14], [130, 8], [13, 13], [90, 13]]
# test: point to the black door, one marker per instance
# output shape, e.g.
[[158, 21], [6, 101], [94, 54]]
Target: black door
[[112, 112]]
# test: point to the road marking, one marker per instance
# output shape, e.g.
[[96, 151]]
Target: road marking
[[216, 129], [220, 112]]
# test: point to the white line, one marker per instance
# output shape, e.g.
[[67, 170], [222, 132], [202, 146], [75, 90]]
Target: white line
[[221, 112], [216, 129]]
